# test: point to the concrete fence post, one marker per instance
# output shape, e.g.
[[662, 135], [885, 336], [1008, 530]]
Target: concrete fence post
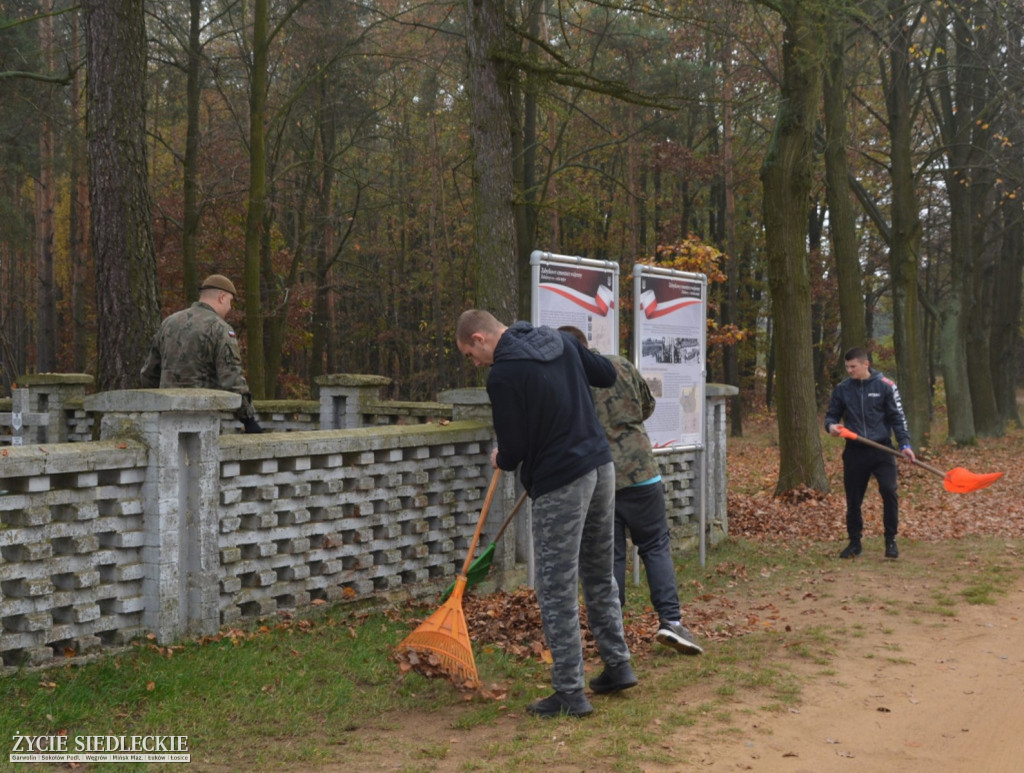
[[50, 393], [344, 398], [716, 396], [181, 429]]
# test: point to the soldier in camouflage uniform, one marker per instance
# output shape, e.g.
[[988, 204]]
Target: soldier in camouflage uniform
[[640, 496], [197, 348], [545, 425]]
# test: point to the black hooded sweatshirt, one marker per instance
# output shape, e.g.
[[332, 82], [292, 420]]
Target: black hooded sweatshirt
[[544, 417], [870, 407]]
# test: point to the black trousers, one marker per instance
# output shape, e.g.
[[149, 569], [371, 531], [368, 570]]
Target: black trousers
[[860, 462]]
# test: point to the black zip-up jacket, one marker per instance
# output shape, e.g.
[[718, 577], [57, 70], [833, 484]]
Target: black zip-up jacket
[[544, 417], [870, 407]]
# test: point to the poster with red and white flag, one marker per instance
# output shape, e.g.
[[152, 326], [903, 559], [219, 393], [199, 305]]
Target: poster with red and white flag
[[669, 337], [582, 292]]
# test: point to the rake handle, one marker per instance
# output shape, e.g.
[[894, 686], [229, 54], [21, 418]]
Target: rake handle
[[480, 523], [900, 454]]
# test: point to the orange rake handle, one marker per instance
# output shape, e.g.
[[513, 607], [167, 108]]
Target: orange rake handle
[[480, 523]]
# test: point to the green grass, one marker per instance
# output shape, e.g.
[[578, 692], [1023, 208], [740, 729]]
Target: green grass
[[303, 692]]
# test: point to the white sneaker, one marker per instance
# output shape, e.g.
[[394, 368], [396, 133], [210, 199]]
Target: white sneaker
[[676, 636]]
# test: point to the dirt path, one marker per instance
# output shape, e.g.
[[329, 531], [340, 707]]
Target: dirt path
[[909, 695]]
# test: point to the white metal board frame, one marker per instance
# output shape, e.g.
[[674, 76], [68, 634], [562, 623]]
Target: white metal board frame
[[670, 351]]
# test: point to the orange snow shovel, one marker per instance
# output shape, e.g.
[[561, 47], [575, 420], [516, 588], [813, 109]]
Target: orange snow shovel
[[958, 480], [445, 633]]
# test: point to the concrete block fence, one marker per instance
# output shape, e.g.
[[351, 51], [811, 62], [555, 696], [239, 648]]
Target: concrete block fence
[[172, 522]]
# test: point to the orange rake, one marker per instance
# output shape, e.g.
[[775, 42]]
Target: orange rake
[[445, 633], [958, 480]]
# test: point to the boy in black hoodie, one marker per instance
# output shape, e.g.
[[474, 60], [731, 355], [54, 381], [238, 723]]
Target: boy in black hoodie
[[871, 407], [544, 419]]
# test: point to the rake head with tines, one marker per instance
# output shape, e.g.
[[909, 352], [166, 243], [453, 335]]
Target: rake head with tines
[[445, 633]]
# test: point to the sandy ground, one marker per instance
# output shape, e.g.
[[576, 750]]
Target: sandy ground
[[907, 696]]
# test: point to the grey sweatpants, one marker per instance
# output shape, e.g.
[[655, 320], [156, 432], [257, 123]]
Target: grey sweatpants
[[573, 542]]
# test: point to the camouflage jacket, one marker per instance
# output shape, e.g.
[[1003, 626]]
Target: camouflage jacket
[[622, 409], [196, 348]]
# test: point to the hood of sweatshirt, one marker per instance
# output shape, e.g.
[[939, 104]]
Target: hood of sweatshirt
[[523, 341]]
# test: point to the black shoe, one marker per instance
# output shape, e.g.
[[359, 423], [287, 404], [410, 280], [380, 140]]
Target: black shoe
[[676, 636], [851, 550], [891, 551], [561, 704], [613, 679]]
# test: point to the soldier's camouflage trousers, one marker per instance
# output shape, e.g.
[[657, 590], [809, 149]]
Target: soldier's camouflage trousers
[[573, 543]]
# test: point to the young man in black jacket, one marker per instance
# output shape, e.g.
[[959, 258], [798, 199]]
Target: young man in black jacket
[[544, 419], [870, 405]]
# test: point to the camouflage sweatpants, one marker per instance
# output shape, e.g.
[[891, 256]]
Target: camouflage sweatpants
[[573, 542]]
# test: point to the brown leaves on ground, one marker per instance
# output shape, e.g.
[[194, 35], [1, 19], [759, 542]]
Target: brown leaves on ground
[[927, 511], [510, 621], [433, 666]]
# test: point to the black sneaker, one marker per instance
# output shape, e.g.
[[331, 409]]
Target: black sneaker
[[561, 704], [891, 551], [676, 636], [851, 550], [614, 679]]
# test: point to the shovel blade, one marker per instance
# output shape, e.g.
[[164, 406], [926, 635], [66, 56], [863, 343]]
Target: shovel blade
[[961, 481], [477, 571], [480, 567]]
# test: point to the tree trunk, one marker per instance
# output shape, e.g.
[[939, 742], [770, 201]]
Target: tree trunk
[[1006, 305], [78, 222], [494, 231], [976, 45], [46, 280], [128, 309], [905, 246], [841, 218], [526, 167], [255, 216], [987, 421], [954, 124], [730, 309], [324, 203], [786, 180], [190, 171], [952, 334]]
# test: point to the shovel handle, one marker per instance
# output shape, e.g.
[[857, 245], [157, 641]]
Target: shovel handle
[[510, 516], [894, 452]]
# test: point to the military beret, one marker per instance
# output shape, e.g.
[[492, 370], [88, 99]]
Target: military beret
[[218, 282]]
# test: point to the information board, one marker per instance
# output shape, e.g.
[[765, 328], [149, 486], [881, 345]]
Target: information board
[[576, 291], [669, 337]]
